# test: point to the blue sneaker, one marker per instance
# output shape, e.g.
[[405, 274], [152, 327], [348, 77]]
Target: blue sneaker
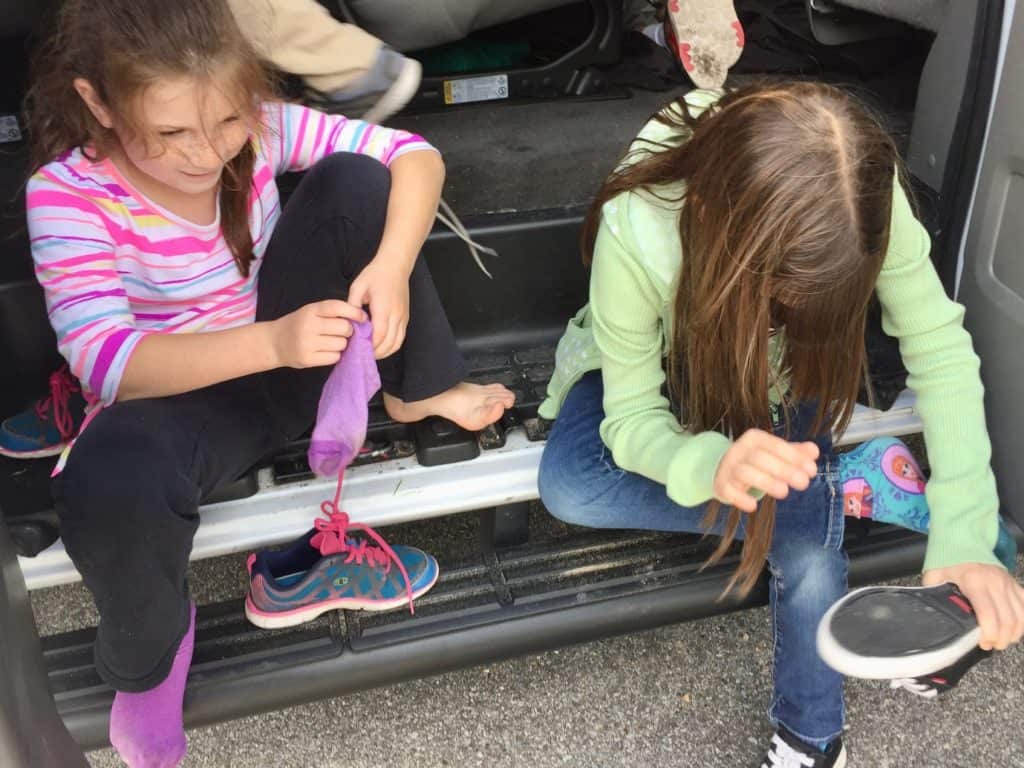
[[45, 428], [326, 570]]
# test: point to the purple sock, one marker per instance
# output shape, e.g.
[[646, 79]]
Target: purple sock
[[146, 728], [341, 418]]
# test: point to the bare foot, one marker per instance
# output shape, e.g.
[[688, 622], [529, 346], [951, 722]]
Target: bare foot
[[471, 406]]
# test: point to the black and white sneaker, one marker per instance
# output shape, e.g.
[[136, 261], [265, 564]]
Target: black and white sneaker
[[937, 683], [879, 633], [787, 751]]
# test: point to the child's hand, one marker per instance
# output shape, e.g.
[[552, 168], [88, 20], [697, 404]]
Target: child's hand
[[315, 334], [760, 460], [385, 289], [997, 598]]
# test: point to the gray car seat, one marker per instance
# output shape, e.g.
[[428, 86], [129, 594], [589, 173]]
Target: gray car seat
[[421, 24], [924, 14], [835, 22]]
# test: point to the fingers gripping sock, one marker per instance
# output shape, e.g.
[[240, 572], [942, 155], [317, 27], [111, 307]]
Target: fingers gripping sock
[[342, 415], [147, 728]]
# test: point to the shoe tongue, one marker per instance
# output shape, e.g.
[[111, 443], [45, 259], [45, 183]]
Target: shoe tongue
[[329, 543]]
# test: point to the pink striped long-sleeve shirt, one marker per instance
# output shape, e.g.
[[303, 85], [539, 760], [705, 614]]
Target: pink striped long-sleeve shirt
[[114, 266]]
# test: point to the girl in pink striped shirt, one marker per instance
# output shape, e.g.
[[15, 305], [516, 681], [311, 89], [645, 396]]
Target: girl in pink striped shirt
[[201, 317]]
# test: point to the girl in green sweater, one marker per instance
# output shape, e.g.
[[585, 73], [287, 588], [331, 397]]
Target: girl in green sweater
[[734, 253]]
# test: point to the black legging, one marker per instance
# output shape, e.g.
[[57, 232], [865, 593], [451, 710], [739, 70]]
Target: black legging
[[128, 499]]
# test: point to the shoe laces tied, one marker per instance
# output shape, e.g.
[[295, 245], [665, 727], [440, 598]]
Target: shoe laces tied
[[62, 386], [331, 539]]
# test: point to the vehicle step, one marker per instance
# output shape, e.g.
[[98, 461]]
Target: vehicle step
[[399, 490], [593, 585]]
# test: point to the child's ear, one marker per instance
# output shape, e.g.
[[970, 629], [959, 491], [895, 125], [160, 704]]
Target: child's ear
[[93, 102]]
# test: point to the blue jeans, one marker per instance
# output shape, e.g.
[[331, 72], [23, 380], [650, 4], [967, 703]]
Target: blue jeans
[[581, 484]]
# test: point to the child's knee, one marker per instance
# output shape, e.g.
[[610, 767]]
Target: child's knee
[[811, 574], [556, 491], [561, 490], [340, 173], [116, 467], [575, 486]]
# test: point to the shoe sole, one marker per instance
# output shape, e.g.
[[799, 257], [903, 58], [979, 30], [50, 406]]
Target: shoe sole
[[398, 95], [42, 453], [841, 760], [307, 613], [709, 37], [852, 664]]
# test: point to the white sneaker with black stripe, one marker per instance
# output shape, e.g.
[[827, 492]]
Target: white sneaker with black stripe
[[879, 633], [938, 683], [787, 751]]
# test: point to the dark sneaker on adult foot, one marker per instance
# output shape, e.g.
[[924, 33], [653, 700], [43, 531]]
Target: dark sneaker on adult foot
[[44, 429], [787, 751], [879, 633], [387, 87], [328, 569], [938, 683]]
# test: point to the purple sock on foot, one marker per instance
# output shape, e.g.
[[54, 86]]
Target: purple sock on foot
[[146, 728]]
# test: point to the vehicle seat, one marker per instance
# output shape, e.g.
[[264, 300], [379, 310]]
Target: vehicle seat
[[427, 23], [923, 14]]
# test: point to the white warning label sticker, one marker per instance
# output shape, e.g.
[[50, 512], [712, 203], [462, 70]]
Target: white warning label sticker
[[470, 89]]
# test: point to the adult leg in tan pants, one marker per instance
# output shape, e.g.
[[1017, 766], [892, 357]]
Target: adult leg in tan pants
[[341, 63]]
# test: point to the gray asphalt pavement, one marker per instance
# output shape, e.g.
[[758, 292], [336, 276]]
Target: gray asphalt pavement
[[687, 696]]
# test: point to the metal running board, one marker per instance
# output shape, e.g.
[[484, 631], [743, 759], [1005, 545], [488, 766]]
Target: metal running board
[[399, 491], [528, 600]]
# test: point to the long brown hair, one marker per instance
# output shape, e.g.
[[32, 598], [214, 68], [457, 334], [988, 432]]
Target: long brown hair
[[123, 46], [785, 207]]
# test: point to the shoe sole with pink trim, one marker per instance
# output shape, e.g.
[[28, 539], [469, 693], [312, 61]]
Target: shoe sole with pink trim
[[707, 38]]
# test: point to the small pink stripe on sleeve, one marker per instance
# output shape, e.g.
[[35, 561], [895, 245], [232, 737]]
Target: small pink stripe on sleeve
[[332, 139], [370, 131], [280, 137], [91, 282], [78, 298], [321, 123], [261, 178], [40, 198], [297, 139], [105, 357], [402, 143], [88, 258], [76, 334], [63, 277]]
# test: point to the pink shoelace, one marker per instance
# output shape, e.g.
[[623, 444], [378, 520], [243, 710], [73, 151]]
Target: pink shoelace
[[62, 386], [331, 540]]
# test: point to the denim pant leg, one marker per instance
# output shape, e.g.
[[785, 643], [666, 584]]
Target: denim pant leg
[[580, 483], [808, 567]]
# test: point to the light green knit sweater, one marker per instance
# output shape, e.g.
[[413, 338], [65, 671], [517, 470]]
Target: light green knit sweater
[[622, 332]]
